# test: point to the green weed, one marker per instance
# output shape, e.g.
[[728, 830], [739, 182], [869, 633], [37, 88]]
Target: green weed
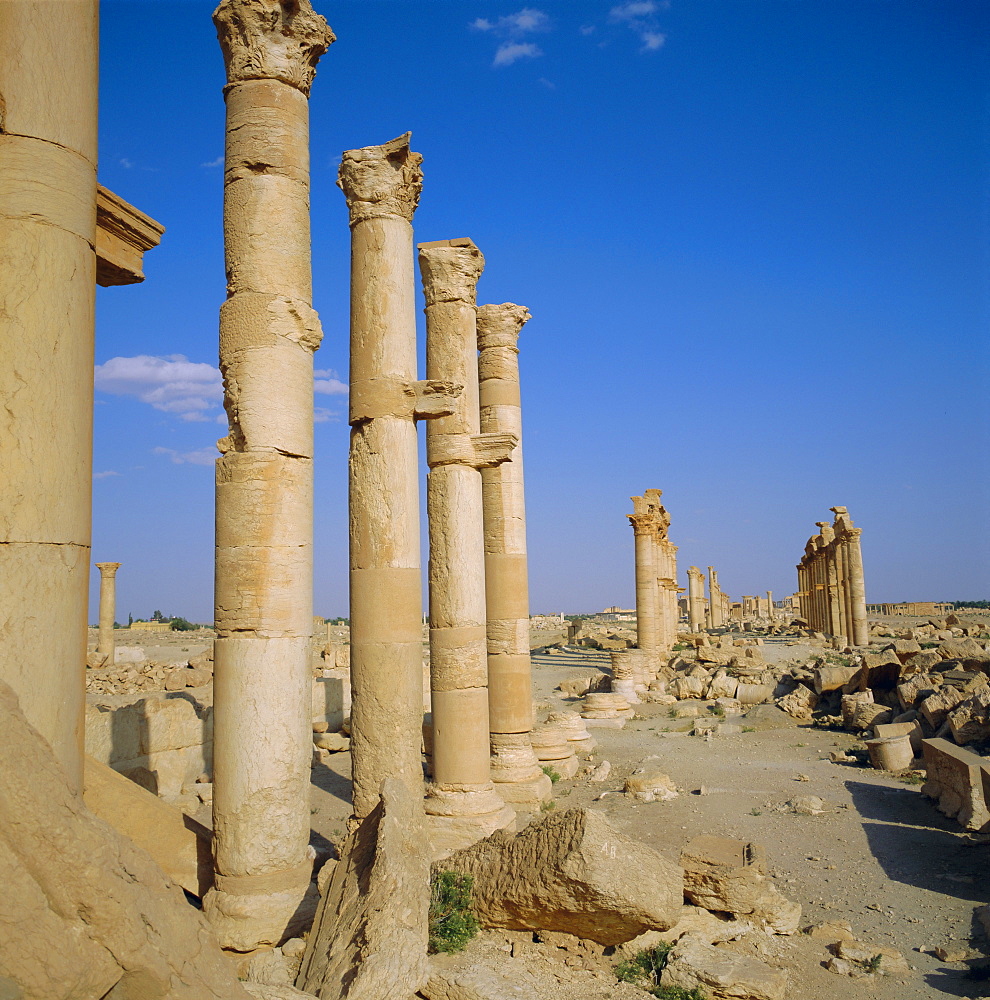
[[644, 971], [452, 924], [552, 774]]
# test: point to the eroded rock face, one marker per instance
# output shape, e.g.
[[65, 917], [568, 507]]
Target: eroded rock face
[[85, 910], [721, 974], [727, 875], [369, 938], [571, 872]]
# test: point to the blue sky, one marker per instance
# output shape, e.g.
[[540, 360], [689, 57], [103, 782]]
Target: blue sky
[[753, 235]]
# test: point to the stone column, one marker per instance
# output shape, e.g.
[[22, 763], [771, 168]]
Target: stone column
[[515, 769], [382, 186], [264, 502], [105, 644], [715, 599], [770, 613], [644, 531], [48, 83], [696, 597], [462, 801], [857, 588]]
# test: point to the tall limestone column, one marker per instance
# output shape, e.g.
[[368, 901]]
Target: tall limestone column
[[696, 598], [853, 562], [264, 500], [382, 186], [715, 599], [105, 643], [515, 769], [462, 802], [770, 613], [643, 523], [48, 110]]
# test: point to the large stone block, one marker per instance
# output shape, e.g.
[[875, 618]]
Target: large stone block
[[85, 912], [332, 698], [970, 719], [721, 974], [571, 872], [727, 875], [956, 780]]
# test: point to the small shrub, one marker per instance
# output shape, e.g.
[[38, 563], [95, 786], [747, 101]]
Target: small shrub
[[552, 774], [548, 805], [873, 964], [452, 924], [755, 812], [749, 729], [911, 777], [718, 710], [644, 971]]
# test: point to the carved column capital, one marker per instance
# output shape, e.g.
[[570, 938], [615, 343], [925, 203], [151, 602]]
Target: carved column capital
[[380, 181], [642, 524], [450, 270], [108, 569], [272, 40], [500, 325]]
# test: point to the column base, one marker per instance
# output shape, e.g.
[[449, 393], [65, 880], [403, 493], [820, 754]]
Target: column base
[[516, 772], [458, 816], [244, 922]]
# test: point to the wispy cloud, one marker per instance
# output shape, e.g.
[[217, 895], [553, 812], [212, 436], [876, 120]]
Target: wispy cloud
[[126, 163], [325, 380], [321, 415], [105, 475], [639, 17], [549, 84], [513, 28], [218, 162], [202, 456], [510, 52], [172, 384]]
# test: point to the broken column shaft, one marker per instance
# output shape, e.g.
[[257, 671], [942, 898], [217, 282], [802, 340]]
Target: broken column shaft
[[696, 598], [515, 768], [462, 801], [264, 500]]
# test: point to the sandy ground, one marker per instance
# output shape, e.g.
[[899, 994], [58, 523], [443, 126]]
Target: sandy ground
[[881, 857]]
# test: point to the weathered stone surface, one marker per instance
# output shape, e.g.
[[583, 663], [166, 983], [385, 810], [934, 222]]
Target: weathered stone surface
[[800, 703], [956, 779], [650, 786], [970, 719], [721, 974], [572, 872], [369, 938], [936, 707], [727, 875], [85, 910], [917, 687], [833, 678]]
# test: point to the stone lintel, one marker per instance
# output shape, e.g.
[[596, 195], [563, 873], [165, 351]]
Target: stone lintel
[[123, 234]]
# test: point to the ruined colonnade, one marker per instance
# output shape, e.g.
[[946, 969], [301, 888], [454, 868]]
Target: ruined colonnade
[[696, 599], [831, 583], [656, 574]]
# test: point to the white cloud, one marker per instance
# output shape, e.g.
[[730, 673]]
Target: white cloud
[[325, 380], [218, 162], [202, 456], [126, 163], [172, 384], [587, 29], [321, 415], [527, 19], [652, 40], [105, 475], [549, 84], [510, 52], [633, 10]]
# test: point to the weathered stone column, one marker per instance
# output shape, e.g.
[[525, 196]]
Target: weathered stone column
[[382, 186], [105, 644], [264, 524], [696, 598], [715, 599], [644, 532], [514, 767], [462, 801], [48, 83], [770, 613], [857, 587]]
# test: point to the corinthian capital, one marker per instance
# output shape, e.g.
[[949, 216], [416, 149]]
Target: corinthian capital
[[450, 270], [499, 326], [643, 524], [379, 181], [272, 40]]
